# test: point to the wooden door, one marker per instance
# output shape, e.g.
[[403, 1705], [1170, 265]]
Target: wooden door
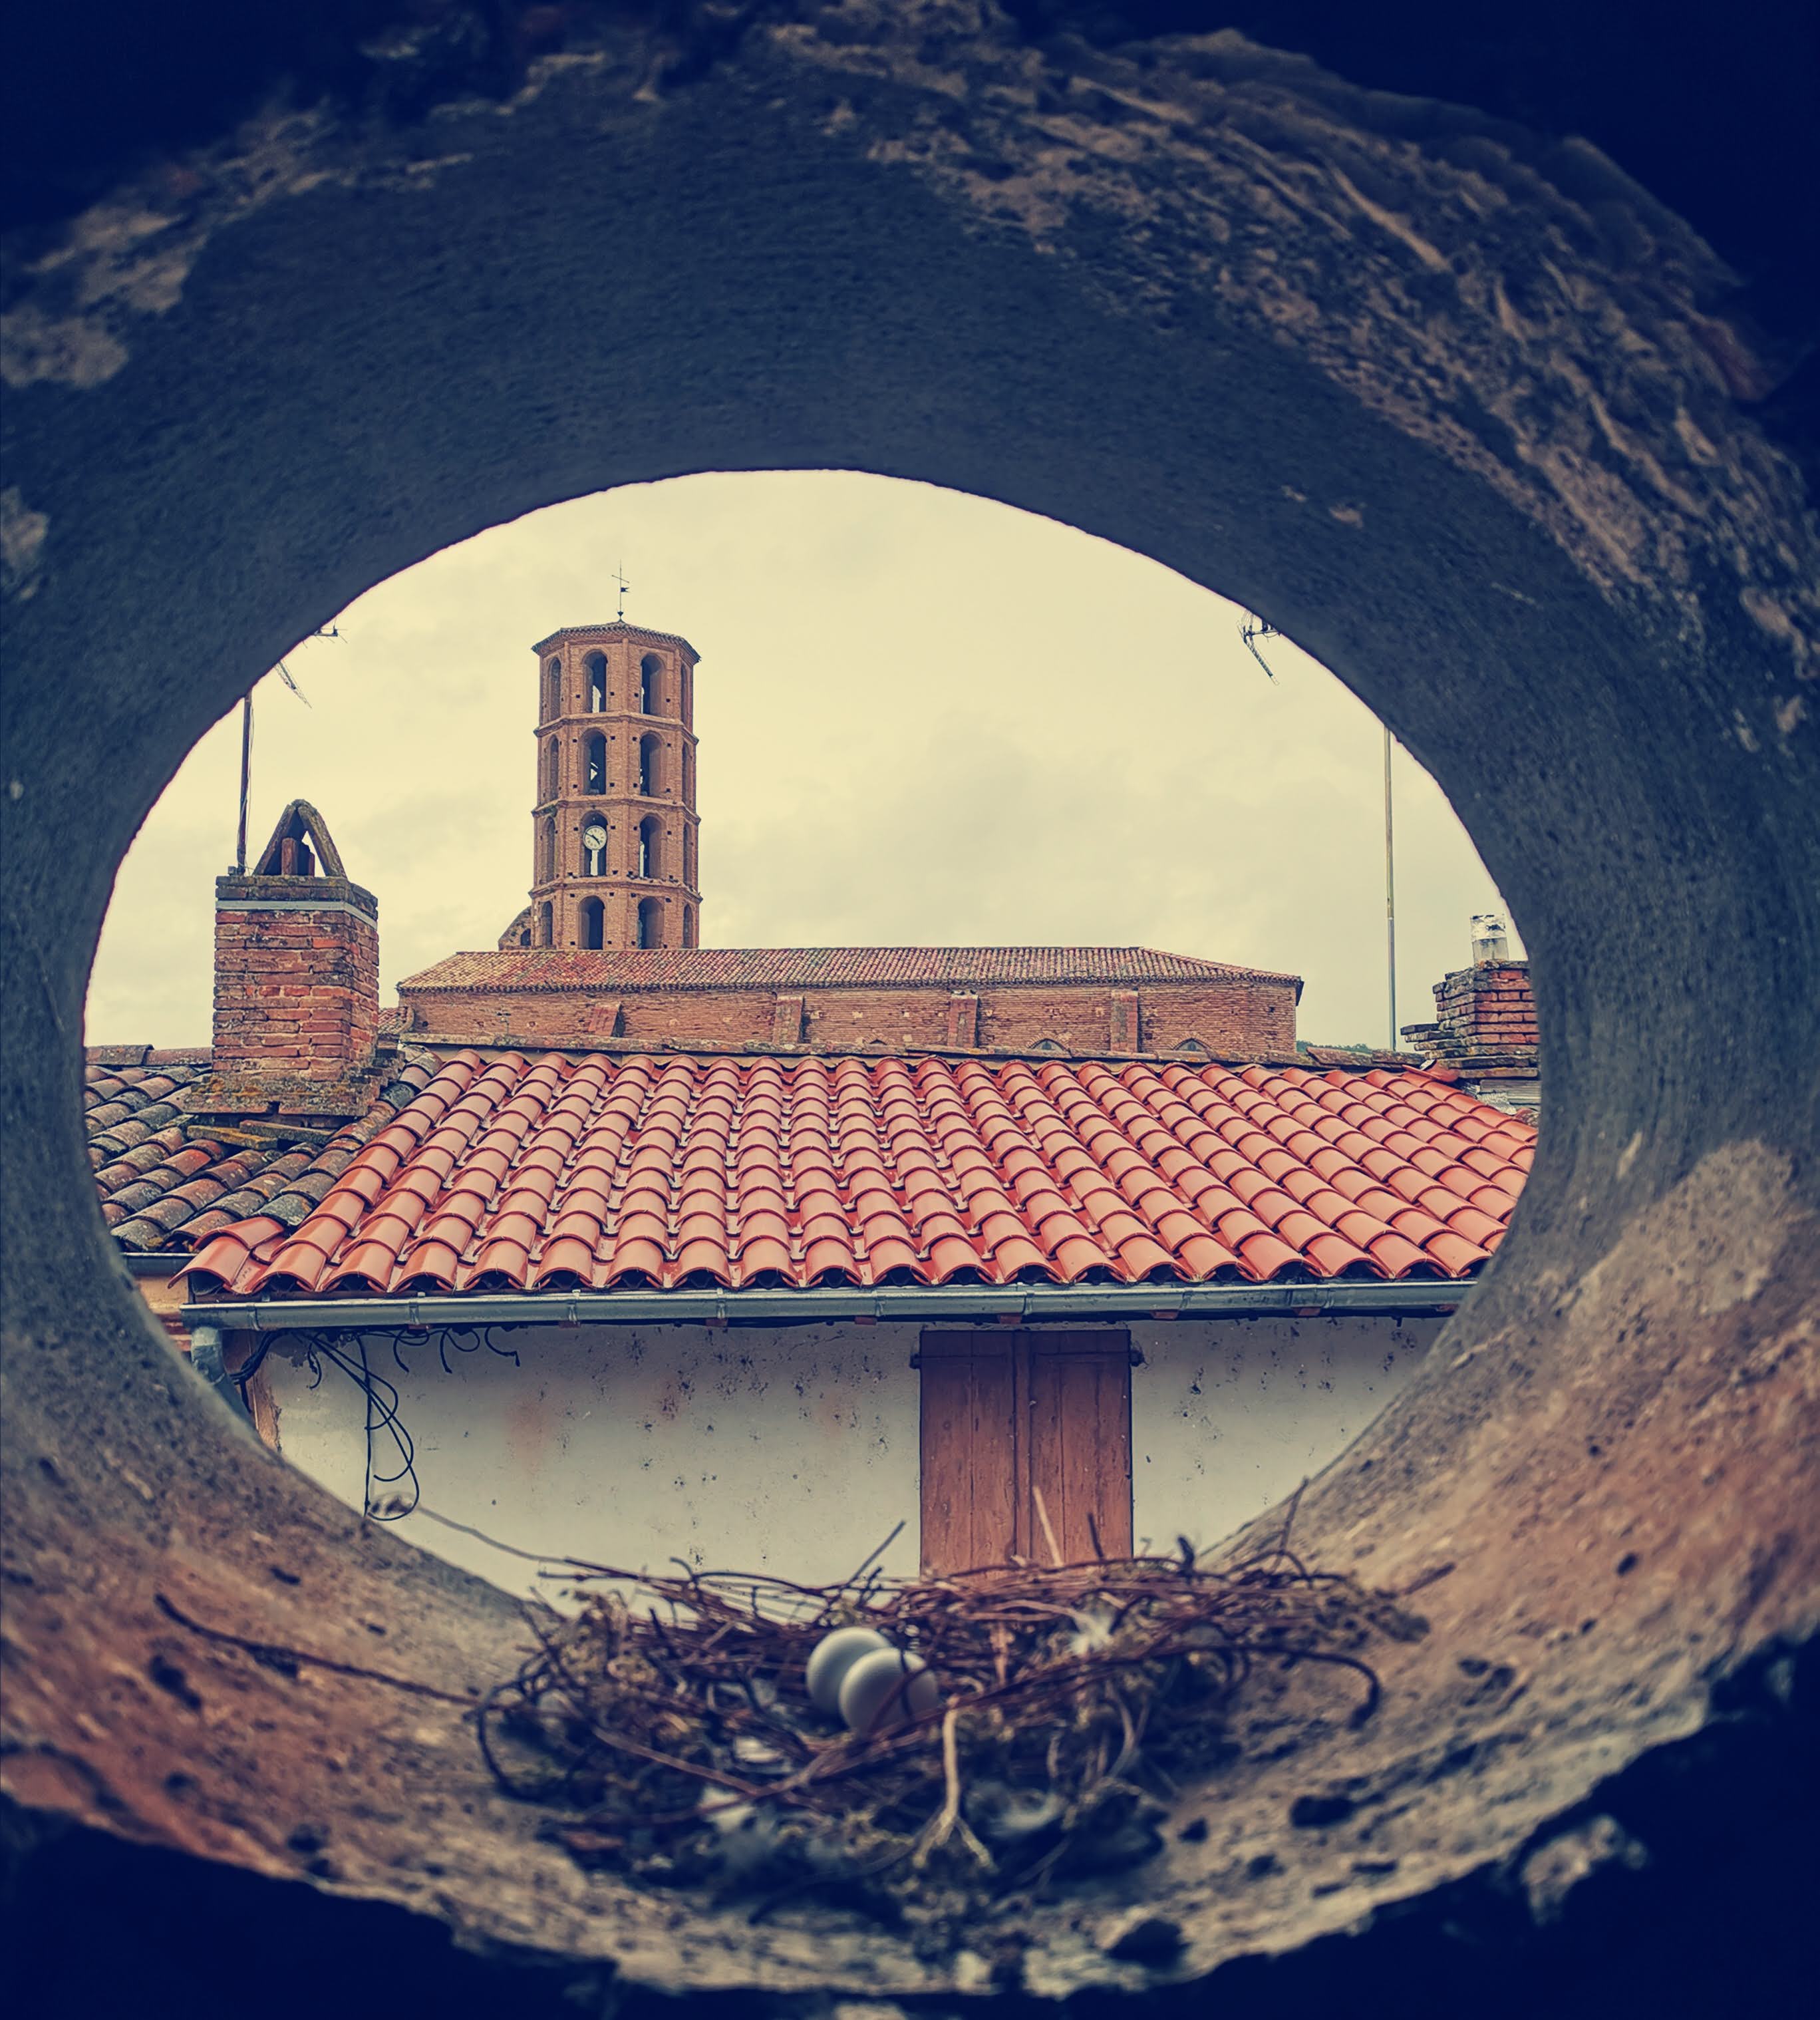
[[1009, 1415]]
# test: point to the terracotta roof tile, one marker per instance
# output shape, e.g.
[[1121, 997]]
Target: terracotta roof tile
[[796, 968], [561, 1173], [163, 1185]]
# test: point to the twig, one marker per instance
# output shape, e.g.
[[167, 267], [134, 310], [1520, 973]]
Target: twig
[[1048, 1529], [662, 1679], [867, 1562]]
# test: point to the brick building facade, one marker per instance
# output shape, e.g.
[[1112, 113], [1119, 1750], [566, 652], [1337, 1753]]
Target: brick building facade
[[608, 950], [1109, 1000]]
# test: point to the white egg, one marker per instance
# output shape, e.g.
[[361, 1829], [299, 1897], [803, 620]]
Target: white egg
[[874, 1687], [832, 1657]]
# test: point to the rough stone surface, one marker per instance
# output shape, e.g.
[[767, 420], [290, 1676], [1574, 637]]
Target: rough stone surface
[[1461, 412]]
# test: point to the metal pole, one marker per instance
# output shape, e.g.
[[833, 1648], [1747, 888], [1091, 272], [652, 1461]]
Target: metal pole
[[1390, 889], [246, 782]]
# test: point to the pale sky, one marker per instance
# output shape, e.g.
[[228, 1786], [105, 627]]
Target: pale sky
[[925, 719]]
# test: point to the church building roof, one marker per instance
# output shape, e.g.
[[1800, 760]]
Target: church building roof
[[798, 968]]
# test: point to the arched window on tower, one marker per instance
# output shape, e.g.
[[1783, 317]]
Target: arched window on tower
[[553, 688], [689, 857], [593, 923], [689, 925], [650, 846], [544, 927], [593, 763], [687, 711], [689, 774], [546, 856], [650, 672], [650, 923], [650, 749], [547, 783], [597, 683], [594, 847]]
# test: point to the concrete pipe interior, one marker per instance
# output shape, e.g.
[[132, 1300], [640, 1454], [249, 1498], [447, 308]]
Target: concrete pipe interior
[[1449, 408]]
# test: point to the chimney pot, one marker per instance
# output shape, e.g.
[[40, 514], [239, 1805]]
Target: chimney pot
[[1490, 940]]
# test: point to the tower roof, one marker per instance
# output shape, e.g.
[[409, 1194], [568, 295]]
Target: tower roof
[[619, 627]]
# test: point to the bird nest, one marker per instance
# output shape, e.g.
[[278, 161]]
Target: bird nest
[[669, 1724]]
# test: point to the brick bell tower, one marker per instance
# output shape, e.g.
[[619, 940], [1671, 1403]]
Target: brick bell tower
[[615, 829]]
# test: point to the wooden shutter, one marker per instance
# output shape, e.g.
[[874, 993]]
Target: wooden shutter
[[1009, 1413]]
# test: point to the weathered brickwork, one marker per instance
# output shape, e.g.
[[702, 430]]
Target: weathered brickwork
[[297, 991], [1239, 1016], [296, 996], [1488, 1008], [1485, 1032]]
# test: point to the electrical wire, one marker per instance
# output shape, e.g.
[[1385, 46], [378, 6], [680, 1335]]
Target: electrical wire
[[383, 1418]]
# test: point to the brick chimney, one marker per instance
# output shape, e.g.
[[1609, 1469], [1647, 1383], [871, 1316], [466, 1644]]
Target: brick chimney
[[296, 982], [1484, 1026], [1488, 1008]]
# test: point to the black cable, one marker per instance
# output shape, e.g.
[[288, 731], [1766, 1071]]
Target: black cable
[[382, 1401], [384, 1412]]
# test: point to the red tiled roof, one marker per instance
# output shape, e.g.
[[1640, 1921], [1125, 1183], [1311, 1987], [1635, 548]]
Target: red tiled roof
[[166, 1180], [560, 1174], [796, 968]]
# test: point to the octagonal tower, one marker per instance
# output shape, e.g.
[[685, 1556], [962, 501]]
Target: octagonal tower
[[615, 828]]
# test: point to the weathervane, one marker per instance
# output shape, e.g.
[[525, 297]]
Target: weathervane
[[619, 575]]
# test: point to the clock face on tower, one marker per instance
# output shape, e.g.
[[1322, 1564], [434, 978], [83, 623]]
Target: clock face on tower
[[594, 837]]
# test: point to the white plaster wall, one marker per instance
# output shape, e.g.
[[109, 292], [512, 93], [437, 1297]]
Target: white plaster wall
[[1231, 1415], [793, 1449]]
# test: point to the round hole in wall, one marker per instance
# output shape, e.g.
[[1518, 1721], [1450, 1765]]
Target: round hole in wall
[[1610, 704]]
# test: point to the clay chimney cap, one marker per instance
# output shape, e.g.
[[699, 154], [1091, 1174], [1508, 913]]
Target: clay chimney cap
[[299, 828]]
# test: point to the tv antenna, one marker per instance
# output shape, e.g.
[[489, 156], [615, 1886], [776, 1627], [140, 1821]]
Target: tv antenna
[[1250, 632], [289, 679], [619, 575]]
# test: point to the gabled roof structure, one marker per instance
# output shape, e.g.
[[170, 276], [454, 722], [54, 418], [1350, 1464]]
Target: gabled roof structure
[[595, 1173]]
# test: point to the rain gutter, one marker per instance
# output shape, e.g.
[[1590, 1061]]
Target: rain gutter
[[916, 1302]]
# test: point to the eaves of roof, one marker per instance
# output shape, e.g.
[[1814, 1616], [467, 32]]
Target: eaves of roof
[[616, 624], [1034, 1303]]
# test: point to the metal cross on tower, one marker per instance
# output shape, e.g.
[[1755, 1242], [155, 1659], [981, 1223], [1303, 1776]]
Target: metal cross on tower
[[619, 575]]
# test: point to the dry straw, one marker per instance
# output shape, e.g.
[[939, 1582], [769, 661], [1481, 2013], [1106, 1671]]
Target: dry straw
[[669, 1724]]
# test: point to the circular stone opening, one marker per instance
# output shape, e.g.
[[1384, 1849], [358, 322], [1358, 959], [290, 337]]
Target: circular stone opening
[[1563, 566]]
